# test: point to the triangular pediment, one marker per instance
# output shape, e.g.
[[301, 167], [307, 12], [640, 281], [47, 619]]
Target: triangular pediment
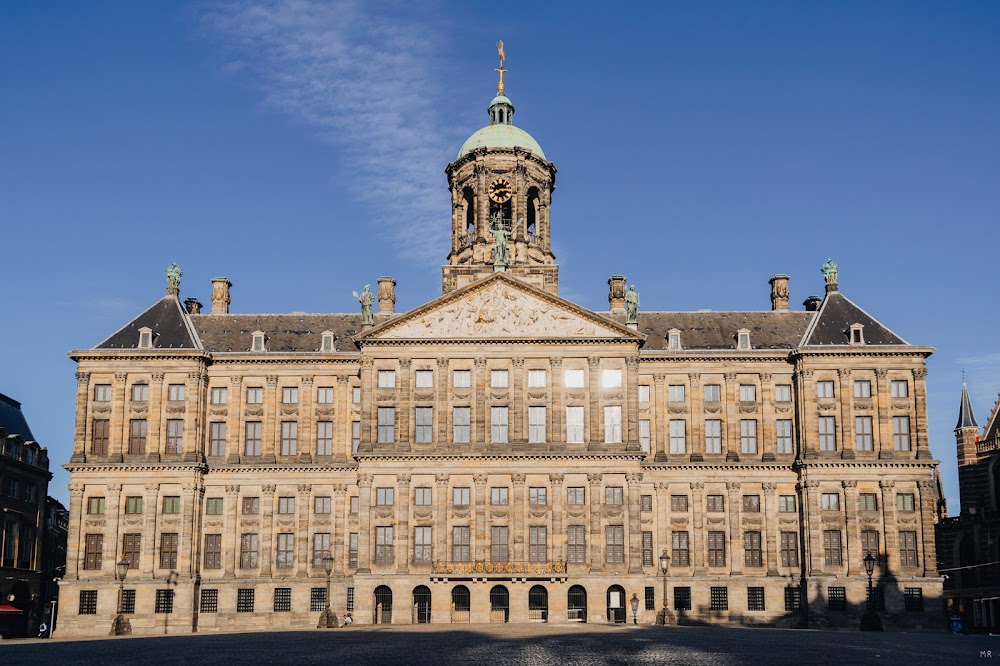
[[499, 307]]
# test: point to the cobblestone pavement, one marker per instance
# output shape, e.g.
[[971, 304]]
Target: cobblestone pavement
[[515, 644]]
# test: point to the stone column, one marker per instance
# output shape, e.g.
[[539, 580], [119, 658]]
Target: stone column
[[193, 442], [664, 539], [441, 503], [557, 402], [150, 512], [307, 419], [735, 528], [266, 543], [480, 419], [558, 541], [80, 430], [119, 423], [919, 443], [889, 526], [596, 557], [156, 426], [882, 427], [767, 445], [852, 548], [696, 419], [338, 542], [771, 525], [594, 416], [235, 430], [631, 406], [731, 419], [658, 428], [847, 443], [443, 384], [812, 544], [478, 529], [805, 403], [367, 415], [518, 433], [113, 511], [73, 540], [697, 544], [403, 522], [231, 538], [188, 546], [303, 510], [271, 435], [364, 523], [633, 479], [404, 407], [342, 420], [520, 528], [928, 504]]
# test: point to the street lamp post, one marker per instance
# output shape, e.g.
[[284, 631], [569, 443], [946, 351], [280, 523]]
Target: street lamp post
[[665, 616], [121, 626], [635, 607], [327, 619], [870, 621]]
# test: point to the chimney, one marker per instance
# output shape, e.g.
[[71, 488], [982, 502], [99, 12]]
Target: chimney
[[616, 293], [812, 303], [386, 295], [220, 295], [779, 292], [192, 305]]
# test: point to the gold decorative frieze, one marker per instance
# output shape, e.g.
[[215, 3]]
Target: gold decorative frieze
[[499, 567]]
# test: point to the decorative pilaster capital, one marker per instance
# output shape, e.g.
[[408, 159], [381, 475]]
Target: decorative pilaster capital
[[343, 380], [365, 480], [632, 362], [594, 479], [729, 376], [120, 377], [442, 479], [404, 363], [152, 488], [403, 479], [196, 376], [191, 488], [480, 362], [114, 487], [272, 381], [339, 489], [367, 362], [694, 378], [233, 490], [765, 377], [662, 486], [886, 484], [517, 480], [805, 373], [769, 487], [812, 485], [844, 373], [633, 478], [307, 380], [268, 489], [518, 361], [659, 378], [442, 363], [697, 485], [926, 484], [881, 373], [920, 373], [594, 362], [305, 488], [555, 362], [480, 479], [733, 487], [236, 381], [76, 489], [849, 485], [83, 378], [556, 479], [157, 377]]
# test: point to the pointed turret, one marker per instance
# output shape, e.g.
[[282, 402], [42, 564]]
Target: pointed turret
[[966, 418], [966, 430]]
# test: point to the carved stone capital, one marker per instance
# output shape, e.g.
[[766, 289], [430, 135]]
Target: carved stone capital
[[307, 380], [343, 380], [442, 479], [442, 363], [556, 479], [849, 485], [121, 377], [925, 484], [920, 373], [697, 485], [730, 376], [769, 487], [594, 362], [76, 489], [806, 374], [881, 373], [517, 479], [233, 490], [518, 362], [83, 378], [886, 485], [632, 362], [659, 377], [114, 487], [594, 479], [157, 376], [365, 480], [272, 381], [844, 373], [555, 362], [812, 485], [404, 363], [633, 478], [403, 479], [480, 362], [305, 488], [152, 488], [733, 487], [694, 378], [236, 381], [367, 362], [268, 489]]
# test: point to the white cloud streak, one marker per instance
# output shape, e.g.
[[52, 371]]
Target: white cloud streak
[[361, 81]]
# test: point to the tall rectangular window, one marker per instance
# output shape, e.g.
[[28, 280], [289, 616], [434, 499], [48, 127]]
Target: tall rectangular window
[[748, 435], [386, 425], [913, 600], [782, 392], [824, 389], [713, 392], [424, 379], [905, 502], [647, 549], [675, 393], [908, 548], [899, 388], [385, 496], [289, 438], [613, 424], [460, 543], [213, 551], [755, 598], [286, 505], [282, 599], [175, 435], [321, 505], [867, 502], [356, 395], [783, 430], [460, 496], [573, 378], [498, 425], [352, 550], [209, 602], [575, 495], [102, 393], [682, 598], [615, 549], [140, 392], [321, 547], [680, 550], [650, 598], [422, 496], [255, 395], [93, 552], [748, 393], [613, 495], [422, 544], [324, 438], [751, 504], [611, 379], [644, 393], [716, 549], [252, 444], [832, 552], [175, 392], [793, 599], [244, 600], [424, 427], [719, 598], [536, 379], [137, 437], [498, 543], [538, 496], [678, 436], [251, 506], [386, 379], [383, 545], [751, 549], [789, 549], [462, 378], [646, 503], [164, 601], [574, 425], [869, 543], [289, 395], [131, 549], [715, 504], [863, 433], [827, 433], [217, 438], [498, 379], [168, 550], [536, 425], [713, 436], [100, 433], [286, 551], [836, 598], [830, 501], [644, 435], [324, 395], [679, 503], [577, 544], [862, 388], [172, 504], [901, 433], [461, 416], [219, 395]]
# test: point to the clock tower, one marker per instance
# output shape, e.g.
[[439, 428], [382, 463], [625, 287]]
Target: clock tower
[[501, 191]]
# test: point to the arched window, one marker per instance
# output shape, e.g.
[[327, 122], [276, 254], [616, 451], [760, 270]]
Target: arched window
[[383, 605], [616, 604], [470, 216], [421, 604], [576, 604], [538, 604], [461, 604], [499, 605], [531, 221]]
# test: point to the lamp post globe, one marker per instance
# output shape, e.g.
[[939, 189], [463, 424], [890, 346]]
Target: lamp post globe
[[635, 607], [664, 563], [121, 570], [328, 564], [869, 564]]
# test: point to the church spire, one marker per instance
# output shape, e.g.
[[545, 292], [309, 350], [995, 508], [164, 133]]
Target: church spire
[[966, 419]]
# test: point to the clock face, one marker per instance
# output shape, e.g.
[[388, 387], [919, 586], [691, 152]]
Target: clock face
[[500, 190]]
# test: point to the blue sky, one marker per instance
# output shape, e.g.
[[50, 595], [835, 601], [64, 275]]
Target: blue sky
[[298, 148]]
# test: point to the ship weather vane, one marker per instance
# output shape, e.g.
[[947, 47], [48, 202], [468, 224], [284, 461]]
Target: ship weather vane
[[500, 70]]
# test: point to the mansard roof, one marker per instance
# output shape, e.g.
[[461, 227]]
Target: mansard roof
[[12, 419], [966, 418], [296, 332], [169, 323], [717, 330], [832, 325]]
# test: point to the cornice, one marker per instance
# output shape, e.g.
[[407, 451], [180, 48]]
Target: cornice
[[688, 355], [285, 357], [135, 354], [723, 466], [868, 464], [867, 350], [72, 468], [497, 341], [442, 457]]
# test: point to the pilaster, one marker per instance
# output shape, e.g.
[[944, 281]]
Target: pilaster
[[520, 527], [633, 479], [364, 523], [303, 511], [518, 434], [698, 554], [771, 523], [557, 393], [150, 512], [631, 406], [731, 419], [267, 543], [404, 552], [80, 430], [889, 526], [596, 559], [73, 545], [658, 428], [231, 538], [443, 384], [594, 417], [920, 445], [846, 425], [404, 407], [735, 528], [270, 437], [853, 534], [928, 546]]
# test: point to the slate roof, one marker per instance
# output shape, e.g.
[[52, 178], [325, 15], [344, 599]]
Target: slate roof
[[285, 332], [12, 419], [966, 418], [169, 323], [717, 330], [832, 325]]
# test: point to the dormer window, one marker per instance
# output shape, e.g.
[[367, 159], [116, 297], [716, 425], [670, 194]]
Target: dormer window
[[258, 342], [674, 340], [327, 344], [145, 338], [857, 334], [743, 339]]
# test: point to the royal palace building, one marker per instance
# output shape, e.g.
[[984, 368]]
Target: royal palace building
[[500, 454]]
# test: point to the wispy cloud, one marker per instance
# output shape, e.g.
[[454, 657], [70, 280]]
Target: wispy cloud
[[979, 360], [360, 80]]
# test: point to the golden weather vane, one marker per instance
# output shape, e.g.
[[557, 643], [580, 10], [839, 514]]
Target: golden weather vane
[[501, 71]]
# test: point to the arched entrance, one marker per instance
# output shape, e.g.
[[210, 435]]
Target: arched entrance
[[616, 604], [383, 605], [538, 604], [421, 604], [461, 604], [499, 605], [576, 604]]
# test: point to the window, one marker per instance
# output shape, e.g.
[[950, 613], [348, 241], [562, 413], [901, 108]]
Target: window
[[498, 425], [422, 544], [913, 600], [650, 598], [863, 433], [786, 504], [324, 438], [164, 601], [837, 598], [460, 496], [899, 388], [681, 553], [904, 502], [498, 496], [783, 393], [101, 430], [128, 602], [538, 537], [217, 438], [386, 425], [824, 389], [682, 598], [867, 502], [793, 599], [611, 379], [317, 599], [613, 424], [751, 503], [282, 599], [219, 395], [575, 495], [140, 392], [258, 342], [713, 436], [385, 496], [755, 598], [831, 501], [714, 504], [171, 504], [168, 550], [321, 505], [573, 378], [386, 379], [289, 438], [354, 504], [643, 392], [644, 438], [869, 543], [577, 550], [352, 550], [678, 436], [901, 433], [908, 548], [286, 551], [356, 395], [831, 548], [422, 497], [321, 547], [538, 496], [132, 549], [574, 425], [713, 392], [647, 549], [675, 393], [244, 600], [789, 549], [498, 543], [424, 379], [743, 339], [88, 602], [679, 503], [536, 425], [93, 551], [716, 549], [355, 436], [646, 503], [748, 393], [255, 395], [324, 395], [719, 597], [462, 378], [827, 433], [461, 427], [424, 432], [175, 435], [536, 379], [674, 340], [95, 505], [460, 543], [350, 598], [286, 505], [214, 506], [251, 506], [137, 437], [213, 551], [252, 445], [498, 379], [615, 550], [748, 435], [613, 495], [783, 430], [862, 388], [175, 392], [102, 393]]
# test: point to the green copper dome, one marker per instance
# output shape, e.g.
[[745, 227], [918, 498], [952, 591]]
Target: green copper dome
[[501, 133]]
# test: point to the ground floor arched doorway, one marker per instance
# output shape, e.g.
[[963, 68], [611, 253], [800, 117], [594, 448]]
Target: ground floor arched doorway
[[421, 604], [461, 604], [538, 604], [576, 604], [383, 605], [616, 604], [499, 605]]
